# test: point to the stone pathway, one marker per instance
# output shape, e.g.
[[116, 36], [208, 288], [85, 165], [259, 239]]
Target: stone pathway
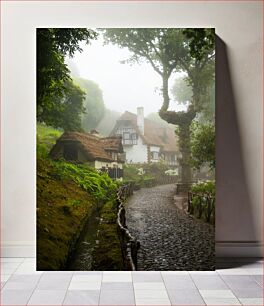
[[170, 239]]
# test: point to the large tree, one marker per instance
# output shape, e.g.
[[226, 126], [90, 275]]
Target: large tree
[[53, 45], [170, 50], [182, 94], [69, 108], [93, 104]]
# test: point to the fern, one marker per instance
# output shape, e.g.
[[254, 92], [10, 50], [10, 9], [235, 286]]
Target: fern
[[99, 185]]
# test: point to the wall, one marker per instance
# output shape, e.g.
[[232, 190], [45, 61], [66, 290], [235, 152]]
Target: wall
[[239, 107], [137, 153]]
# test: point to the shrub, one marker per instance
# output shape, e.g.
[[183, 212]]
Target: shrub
[[202, 202], [99, 185], [204, 187], [46, 138]]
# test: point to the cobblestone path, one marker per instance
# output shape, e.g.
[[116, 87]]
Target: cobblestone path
[[169, 238]]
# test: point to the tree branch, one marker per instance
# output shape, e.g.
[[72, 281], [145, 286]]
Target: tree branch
[[151, 62], [178, 118]]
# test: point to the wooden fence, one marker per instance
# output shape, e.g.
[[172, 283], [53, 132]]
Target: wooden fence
[[129, 243], [202, 205]]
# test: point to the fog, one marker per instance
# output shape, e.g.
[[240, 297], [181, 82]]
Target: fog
[[124, 86]]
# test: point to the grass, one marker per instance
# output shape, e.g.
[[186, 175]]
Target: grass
[[46, 138]]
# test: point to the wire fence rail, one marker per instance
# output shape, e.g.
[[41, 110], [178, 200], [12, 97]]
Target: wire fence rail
[[129, 243]]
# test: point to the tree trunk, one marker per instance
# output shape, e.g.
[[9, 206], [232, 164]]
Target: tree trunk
[[183, 120], [165, 93], [184, 145]]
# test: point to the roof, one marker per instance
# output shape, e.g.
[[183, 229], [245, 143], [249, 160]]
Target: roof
[[112, 143], [94, 147], [154, 133]]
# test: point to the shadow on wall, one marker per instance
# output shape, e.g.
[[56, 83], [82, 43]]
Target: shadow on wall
[[234, 215]]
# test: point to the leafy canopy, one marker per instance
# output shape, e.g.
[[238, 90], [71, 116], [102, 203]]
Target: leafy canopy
[[171, 50], [53, 45], [161, 47], [93, 104], [203, 145], [68, 110]]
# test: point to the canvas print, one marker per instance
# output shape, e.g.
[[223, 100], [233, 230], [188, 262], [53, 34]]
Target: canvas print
[[125, 149]]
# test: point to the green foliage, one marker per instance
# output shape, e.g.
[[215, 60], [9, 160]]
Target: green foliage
[[130, 172], [62, 209], [203, 145], [204, 187], [99, 185], [46, 138], [207, 114], [69, 108], [182, 91], [174, 50], [161, 47], [93, 104], [42, 151], [202, 203], [53, 45], [74, 203], [152, 172], [155, 169], [201, 41]]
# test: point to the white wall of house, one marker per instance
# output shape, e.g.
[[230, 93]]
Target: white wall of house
[[137, 153]]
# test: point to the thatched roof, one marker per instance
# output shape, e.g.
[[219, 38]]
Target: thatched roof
[[154, 133], [94, 147]]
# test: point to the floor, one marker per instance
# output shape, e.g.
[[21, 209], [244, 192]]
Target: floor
[[235, 282]]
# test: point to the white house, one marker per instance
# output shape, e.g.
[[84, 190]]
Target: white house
[[146, 141]]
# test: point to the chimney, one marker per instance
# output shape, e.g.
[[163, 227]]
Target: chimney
[[140, 119]]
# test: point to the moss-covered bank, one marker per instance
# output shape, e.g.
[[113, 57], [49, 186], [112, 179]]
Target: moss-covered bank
[[62, 209], [70, 196], [107, 253]]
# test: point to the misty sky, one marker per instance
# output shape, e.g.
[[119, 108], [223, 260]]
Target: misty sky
[[124, 86]]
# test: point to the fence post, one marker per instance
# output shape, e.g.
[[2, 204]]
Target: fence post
[[129, 244]]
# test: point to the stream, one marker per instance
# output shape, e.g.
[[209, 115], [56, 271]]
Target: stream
[[82, 258]]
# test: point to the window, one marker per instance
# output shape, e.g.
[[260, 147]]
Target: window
[[134, 136], [129, 137], [126, 136], [154, 155]]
